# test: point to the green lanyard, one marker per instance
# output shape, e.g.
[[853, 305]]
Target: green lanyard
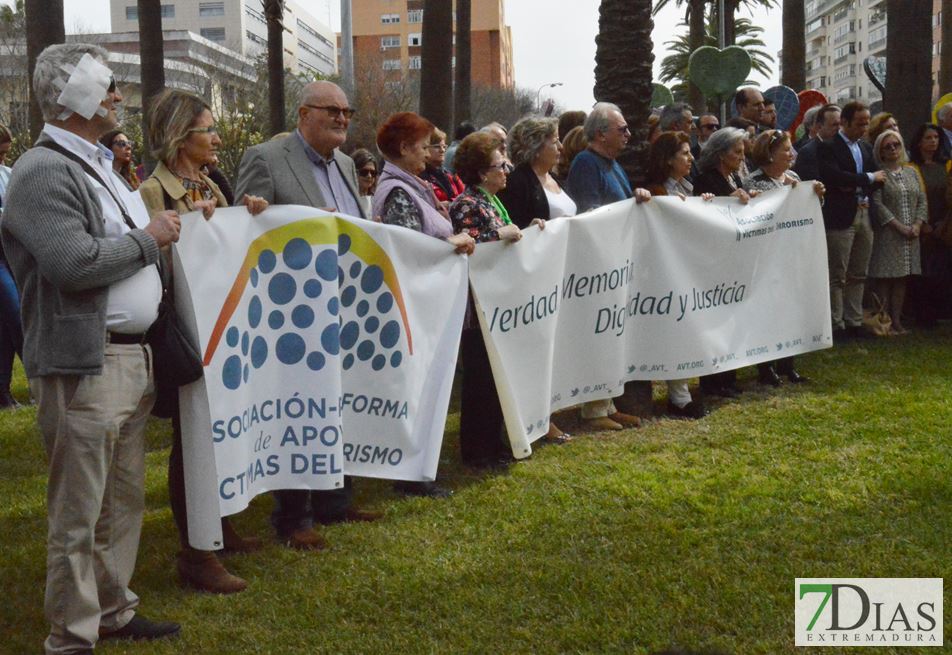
[[497, 203]]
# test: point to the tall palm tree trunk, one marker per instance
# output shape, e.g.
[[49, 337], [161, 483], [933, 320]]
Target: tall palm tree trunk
[[462, 88], [909, 62], [274, 13], [44, 27], [436, 72], [793, 59], [945, 61], [696, 34], [152, 67]]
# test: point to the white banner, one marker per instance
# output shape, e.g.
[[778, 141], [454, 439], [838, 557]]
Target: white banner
[[663, 290], [329, 345]]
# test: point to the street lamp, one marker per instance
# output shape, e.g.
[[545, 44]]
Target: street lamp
[[539, 93]]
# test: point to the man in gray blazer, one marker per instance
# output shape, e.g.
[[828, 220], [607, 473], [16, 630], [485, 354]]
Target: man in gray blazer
[[306, 168]]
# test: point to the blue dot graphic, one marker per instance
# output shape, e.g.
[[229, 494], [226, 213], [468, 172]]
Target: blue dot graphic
[[290, 348], [315, 361], [254, 312], [325, 265], [245, 343], [297, 254], [333, 306], [371, 324], [347, 362], [231, 372], [330, 339], [389, 334], [372, 279], [231, 337], [312, 289], [396, 358], [340, 276], [365, 350], [343, 244], [355, 269], [379, 362], [302, 316], [259, 352], [282, 288], [266, 261], [244, 373], [362, 308], [384, 303], [254, 277], [275, 320], [348, 296], [349, 335]]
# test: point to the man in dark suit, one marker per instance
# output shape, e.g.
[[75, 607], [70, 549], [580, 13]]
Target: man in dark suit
[[306, 168], [849, 173], [827, 120]]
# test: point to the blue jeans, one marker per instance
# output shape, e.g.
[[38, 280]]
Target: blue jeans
[[11, 332]]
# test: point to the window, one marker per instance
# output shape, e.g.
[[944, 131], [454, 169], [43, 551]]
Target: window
[[213, 33], [255, 14], [391, 64], [389, 42], [414, 39], [254, 38], [415, 16], [132, 13], [168, 11], [414, 63], [206, 9], [389, 18]]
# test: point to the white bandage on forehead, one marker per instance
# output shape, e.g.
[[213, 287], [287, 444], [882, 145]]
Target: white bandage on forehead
[[85, 88]]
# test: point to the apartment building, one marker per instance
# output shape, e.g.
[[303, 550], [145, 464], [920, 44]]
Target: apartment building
[[240, 25], [840, 35], [389, 34]]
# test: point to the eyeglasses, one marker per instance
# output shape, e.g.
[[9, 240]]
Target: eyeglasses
[[334, 112], [438, 146], [211, 129], [505, 167], [122, 144], [367, 172], [622, 129]]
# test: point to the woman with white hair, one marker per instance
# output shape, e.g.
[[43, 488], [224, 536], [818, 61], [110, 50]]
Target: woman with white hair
[[901, 211]]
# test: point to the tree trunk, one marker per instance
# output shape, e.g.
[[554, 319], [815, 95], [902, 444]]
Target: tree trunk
[[730, 33], [945, 58], [696, 33], [152, 66], [44, 27], [909, 63], [274, 13], [462, 89], [623, 61], [793, 57], [436, 71]]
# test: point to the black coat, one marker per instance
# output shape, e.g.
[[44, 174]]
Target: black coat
[[524, 198], [808, 160], [713, 182], [838, 173]]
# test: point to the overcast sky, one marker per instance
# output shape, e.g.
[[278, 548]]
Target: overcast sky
[[552, 42]]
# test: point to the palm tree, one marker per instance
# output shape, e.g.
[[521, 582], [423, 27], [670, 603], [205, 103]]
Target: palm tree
[[436, 71], [674, 67], [462, 87], [730, 11], [909, 62], [274, 14], [44, 27], [794, 55], [945, 61], [694, 14], [152, 63], [623, 61]]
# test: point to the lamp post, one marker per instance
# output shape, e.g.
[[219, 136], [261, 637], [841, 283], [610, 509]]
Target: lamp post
[[539, 93]]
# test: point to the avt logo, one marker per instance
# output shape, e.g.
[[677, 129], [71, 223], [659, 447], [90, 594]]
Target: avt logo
[[868, 612], [307, 293]]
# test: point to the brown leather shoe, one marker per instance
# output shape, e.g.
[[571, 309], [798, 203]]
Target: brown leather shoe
[[235, 543], [600, 424], [201, 570], [626, 420], [353, 516], [305, 539]]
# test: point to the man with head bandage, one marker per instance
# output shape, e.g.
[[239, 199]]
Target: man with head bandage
[[83, 250]]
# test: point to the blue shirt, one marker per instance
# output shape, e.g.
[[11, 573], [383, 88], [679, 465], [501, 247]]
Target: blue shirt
[[330, 181], [595, 181]]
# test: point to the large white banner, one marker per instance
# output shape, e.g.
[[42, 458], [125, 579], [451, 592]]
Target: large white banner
[[663, 290], [329, 346]]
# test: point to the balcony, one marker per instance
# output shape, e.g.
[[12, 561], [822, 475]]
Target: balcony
[[878, 44], [844, 37]]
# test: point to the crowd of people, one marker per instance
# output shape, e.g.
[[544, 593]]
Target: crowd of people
[[86, 241]]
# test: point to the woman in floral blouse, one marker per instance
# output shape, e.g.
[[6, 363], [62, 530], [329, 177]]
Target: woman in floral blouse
[[480, 214]]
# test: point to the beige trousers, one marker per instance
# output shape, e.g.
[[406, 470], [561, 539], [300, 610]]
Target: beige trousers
[[93, 428], [848, 253]]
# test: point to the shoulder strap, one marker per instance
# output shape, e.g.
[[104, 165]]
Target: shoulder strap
[[93, 173]]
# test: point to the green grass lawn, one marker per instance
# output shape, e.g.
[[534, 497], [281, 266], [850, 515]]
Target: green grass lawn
[[680, 534]]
